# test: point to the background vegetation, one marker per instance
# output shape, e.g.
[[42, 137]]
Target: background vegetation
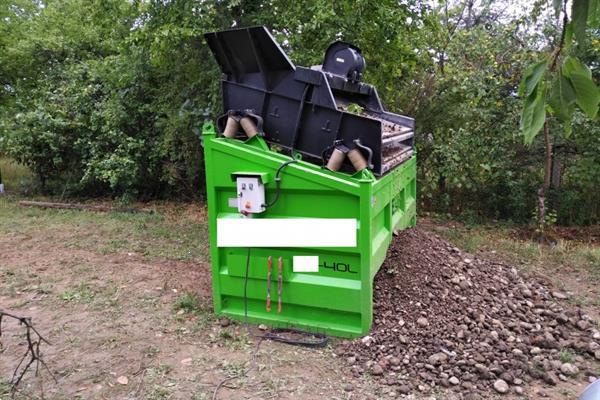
[[105, 97]]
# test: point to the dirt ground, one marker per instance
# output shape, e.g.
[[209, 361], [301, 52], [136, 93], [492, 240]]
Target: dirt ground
[[125, 302], [115, 313]]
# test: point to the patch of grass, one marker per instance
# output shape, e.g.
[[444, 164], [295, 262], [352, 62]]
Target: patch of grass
[[4, 388], [504, 240], [225, 335], [565, 356], [158, 393], [189, 303], [16, 177], [79, 294], [160, 371], [469, 243], [172, 235], [204, 320]]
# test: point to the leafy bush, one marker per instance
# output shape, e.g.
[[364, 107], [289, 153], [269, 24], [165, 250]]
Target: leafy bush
[[106, 97]]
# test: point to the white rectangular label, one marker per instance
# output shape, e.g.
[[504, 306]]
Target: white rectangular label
[[286, 232], [306, 264]]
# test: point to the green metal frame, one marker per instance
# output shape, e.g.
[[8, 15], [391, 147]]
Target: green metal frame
[[336, 300]]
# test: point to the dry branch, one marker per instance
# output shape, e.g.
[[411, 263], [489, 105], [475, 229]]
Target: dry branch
[[32, 355]]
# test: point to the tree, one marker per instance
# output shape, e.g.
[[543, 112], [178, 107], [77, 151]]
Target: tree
[[558, 84]]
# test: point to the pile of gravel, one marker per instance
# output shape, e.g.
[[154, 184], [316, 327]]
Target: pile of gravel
[[444, 319]]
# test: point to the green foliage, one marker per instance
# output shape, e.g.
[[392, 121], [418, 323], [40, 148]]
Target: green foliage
[[586, 92], [542, 224], [534, 112], [571, 84], [106, 97], [532, 77]]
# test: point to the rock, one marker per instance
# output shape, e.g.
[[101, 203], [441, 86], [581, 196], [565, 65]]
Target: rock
[[348, 387], [123, 380], [395, 361], [583, 324], [518, 390], [501, 386], [263, 327], [500, 326], [224, 322], [404, 389], [438, 358], [376, 369], [569, 369], [517, 352], [483, 370], [550, 378], [559, 295], [367, 340], [186, 361], [507, 377], [562, 318]]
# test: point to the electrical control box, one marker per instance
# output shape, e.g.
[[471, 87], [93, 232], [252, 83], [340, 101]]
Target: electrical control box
[[251, 195]]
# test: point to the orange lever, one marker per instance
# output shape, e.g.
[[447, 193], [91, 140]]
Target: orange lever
[[279, 282], [269, 271]]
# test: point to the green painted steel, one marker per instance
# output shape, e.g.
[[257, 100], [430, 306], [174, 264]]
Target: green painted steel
[[336, 300]]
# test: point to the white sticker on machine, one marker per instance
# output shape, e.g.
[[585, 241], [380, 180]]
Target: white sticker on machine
[[306, 264]]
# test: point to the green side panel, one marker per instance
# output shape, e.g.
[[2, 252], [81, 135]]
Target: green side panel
[[336, 300]]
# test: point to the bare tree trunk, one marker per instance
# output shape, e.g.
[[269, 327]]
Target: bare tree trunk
[[546, 185]]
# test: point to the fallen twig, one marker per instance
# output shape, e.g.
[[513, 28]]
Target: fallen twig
[[32, 355]]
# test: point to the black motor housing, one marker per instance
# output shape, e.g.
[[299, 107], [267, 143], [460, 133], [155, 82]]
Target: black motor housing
[[344, 59]]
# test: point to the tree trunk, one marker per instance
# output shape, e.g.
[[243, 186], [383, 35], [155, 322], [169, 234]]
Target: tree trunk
[[546, 185]]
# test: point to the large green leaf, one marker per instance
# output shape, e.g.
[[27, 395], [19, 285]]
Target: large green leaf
[[579, 16], [531, 77], [533, 115], [586, 92], [562, 98]]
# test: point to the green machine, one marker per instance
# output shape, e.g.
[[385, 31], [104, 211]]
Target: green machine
[[307, 179]]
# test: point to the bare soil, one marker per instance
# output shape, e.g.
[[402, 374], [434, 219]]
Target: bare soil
[[119, 328], [112, 316]]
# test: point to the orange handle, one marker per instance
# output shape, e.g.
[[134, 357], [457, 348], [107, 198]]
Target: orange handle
[[270, 269], [279, 283]]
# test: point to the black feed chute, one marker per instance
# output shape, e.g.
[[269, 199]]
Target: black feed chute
[[308, 110]]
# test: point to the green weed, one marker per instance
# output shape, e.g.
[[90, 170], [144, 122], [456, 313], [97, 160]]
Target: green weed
[[189, 303], [565, 356]]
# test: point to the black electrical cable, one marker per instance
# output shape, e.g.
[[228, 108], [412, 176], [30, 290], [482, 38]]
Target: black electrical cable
[[278, 182], [319, 340]]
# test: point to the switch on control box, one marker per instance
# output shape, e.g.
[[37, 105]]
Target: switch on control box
[[251, 194]]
